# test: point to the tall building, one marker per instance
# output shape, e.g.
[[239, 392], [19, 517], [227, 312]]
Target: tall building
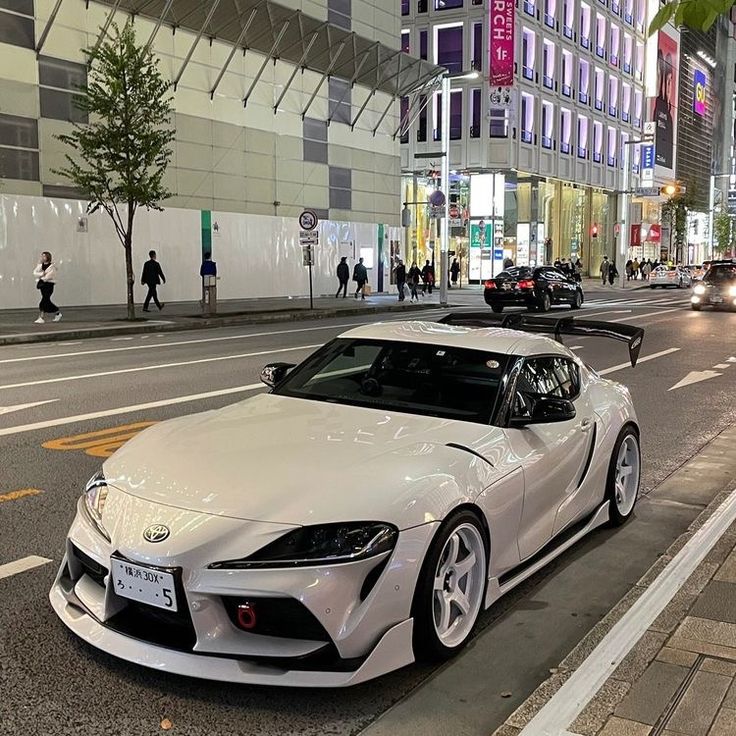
[[535, 166], [279, 106]]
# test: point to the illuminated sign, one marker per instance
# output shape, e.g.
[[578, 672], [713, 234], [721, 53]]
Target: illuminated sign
[[699, 92], [502, 14]]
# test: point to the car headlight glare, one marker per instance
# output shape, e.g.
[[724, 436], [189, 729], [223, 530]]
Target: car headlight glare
[[95, 496], [732, 290], [699, 289], [326, 544]]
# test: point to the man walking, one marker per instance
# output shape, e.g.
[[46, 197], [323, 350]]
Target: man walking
[[343, 276], [360, 276], [605, 268], [427, 277], [401, 279], [152, 277]]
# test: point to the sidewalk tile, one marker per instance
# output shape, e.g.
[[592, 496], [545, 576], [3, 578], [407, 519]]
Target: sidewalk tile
[[716, 602], [727, 573], [621, 727], [638, 659], [678, 607], [677, 656], [698, 708], [730, 700], [719, 666], [715, 635], [725, 723], [595, 714], [648, 698]]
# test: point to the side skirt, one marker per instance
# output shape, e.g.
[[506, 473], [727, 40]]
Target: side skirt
[[498, 587]]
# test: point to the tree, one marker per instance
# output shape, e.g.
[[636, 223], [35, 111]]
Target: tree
[[723, 232], [120, 157], [675, 211], [695, 14]]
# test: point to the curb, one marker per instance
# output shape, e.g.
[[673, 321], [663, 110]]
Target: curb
[[254, 318]]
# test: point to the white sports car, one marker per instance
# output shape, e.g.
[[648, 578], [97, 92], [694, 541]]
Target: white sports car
[[362, 513]]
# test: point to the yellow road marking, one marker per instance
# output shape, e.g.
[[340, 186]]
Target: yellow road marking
[[22, 493], [100, 443]]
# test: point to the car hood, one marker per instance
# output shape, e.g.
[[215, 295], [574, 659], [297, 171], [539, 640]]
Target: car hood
[[296, 461]]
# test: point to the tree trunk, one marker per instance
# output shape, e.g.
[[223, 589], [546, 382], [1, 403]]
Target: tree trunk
[[129, 275]]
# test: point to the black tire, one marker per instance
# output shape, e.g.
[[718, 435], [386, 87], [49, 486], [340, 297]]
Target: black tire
[[615, 517], [652, 286], [497, 308], [427, 645], [695, 307], [544, 303], [577, 302]]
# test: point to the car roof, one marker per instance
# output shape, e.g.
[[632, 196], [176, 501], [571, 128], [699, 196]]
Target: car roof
[[488, 339]]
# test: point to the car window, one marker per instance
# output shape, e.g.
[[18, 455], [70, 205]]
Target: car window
[[515, 273], [417, 378], [545, 376], [719, 274], [552, 274]]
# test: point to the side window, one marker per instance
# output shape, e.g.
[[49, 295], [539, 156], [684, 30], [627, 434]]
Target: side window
[[555, 377]]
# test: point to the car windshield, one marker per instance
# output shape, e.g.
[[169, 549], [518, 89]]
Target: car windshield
[[432, 380], [720, 274]]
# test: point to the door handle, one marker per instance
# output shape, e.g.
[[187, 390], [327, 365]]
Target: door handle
[[586, 425]]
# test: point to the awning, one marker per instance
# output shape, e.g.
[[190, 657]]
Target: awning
[[278, 32]]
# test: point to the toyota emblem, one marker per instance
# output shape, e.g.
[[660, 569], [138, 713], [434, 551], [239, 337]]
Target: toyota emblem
[[156, 533]]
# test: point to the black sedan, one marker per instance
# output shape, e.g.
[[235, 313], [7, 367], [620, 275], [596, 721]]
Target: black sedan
[[536, 288], [717, 288]]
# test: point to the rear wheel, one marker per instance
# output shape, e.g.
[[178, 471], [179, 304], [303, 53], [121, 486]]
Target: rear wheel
[[544, 303], [450, 588], [695, 307], [624, 476], [652, 286], [497, 308], [577, 302]]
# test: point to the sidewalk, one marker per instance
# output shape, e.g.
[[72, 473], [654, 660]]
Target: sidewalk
[[17, 326], [679, 676]]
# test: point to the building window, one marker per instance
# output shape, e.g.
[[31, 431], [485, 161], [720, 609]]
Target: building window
[[616, 7], [528, 52], [314, 133], [448, 47], [423, 44], [636, 165], [629, 11], [613, 96], [582, 136], [626, 102], [447, 4], [638, 103], [478, 47], [639, 61], [476, 112], [498, 123], [615, 45], [456, 115], [527, 118], [640, 15], [628, 52], [568, 9], [599, 88], [585, 21], [404, 112], [404, 7], [622, 149], [530, 7], [340, 13], [406, 41], [548, 120], [18, 148], [421, 6], [566, 73], [60, 82], [597, 142], [548, 78], [583, 81], [341, 188], [612, 146], [422, 124], [18, 30], [600, 35], [565, 130], [550, 10], [340, 95]]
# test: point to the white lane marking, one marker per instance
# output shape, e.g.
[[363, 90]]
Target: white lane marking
[[69, 344], [160, 366], [19, 407], [120, 339], [21, 565], [575, 347], [644, 316], [695, 377], [561, 710], [722, 366], [731, 360], [645, 359], [19, 429]]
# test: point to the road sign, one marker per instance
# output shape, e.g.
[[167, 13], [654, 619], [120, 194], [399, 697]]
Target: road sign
[[647, 191], [308, 255], [647, 156], [650, 128], [308, 220]]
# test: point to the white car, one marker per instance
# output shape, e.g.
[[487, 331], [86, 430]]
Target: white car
[[665, 276], [358, 516]]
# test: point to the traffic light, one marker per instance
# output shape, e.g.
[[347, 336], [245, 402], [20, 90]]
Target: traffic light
[[594, 231], [672, 190]]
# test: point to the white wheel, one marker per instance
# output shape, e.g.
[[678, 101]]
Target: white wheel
[[624, 476]]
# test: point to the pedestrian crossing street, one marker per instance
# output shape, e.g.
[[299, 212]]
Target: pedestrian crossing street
[[655, 298]]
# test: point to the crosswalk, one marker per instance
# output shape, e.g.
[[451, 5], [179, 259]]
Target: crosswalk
[[675, 300]]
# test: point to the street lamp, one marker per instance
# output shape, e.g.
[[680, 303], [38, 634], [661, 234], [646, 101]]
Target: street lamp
[[445, 177]]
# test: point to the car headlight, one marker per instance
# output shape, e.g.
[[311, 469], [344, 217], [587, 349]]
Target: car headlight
[[326, 544], [95, 496], [699, 289], [732, 290]]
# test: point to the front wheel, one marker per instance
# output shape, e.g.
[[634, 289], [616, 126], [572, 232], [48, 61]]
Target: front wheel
[[577, 302], [497, 308], [624, 476], [450, 588]]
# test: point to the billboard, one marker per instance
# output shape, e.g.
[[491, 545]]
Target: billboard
[[664, 111], [501, 27], [699, 92]]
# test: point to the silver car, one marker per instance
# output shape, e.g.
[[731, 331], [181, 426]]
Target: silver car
[[665, 276]]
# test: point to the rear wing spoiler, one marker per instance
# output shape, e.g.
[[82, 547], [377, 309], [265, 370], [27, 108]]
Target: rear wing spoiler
[[555, 326]]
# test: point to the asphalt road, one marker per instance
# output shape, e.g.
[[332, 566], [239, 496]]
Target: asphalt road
[[64, 406]]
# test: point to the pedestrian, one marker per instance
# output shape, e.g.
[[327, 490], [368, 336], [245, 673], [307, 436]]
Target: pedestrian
[[612, 273], [565, 267], [360, 276], [636, 266], [400, 279], [507, 263], [414, 276], [208, 268], [557, 263], [152, 277], [454, 272], [45, 273], [646, 269], [629, 267], [604, 270], [427, 277], [343, 276], [577, 271]]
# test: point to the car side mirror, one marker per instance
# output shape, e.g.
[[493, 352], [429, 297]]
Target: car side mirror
[[274, 373], [546, 410]]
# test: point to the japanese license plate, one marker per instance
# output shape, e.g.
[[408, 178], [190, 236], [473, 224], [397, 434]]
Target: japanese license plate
[[144, 584], [717, 299]]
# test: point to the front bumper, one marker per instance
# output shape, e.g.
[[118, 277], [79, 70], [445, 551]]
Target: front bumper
[[714, 298], [352, 634]]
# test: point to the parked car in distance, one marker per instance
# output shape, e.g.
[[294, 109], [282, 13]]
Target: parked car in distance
[[665, 276], [536, 288]]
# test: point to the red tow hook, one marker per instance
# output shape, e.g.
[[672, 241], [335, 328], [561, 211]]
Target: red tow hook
[[247, 616]]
